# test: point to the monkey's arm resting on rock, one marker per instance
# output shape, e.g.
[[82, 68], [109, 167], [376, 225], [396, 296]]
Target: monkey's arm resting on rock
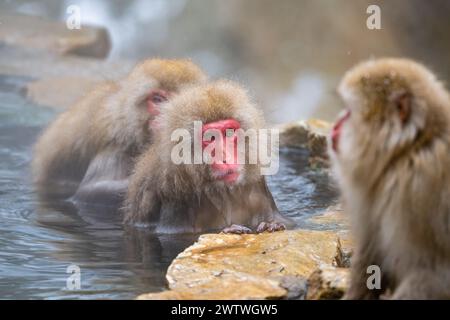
[[256, 203], [245, 209]]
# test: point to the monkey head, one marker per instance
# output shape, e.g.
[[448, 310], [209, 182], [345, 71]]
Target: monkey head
[[215, 117], [139, 96], [394, 107]]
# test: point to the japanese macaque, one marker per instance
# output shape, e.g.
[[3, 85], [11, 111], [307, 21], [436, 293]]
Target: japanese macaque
[[88, 152], [390, 152], [219, 192]]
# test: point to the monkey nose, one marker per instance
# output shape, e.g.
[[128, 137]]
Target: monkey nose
[[336, 131], [225, 166]]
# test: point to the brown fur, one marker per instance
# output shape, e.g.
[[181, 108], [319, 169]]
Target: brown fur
[[98, 138], [393, 168], [186, 198]]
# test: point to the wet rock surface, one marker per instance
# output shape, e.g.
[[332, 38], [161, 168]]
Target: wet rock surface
[[311, 134], [36, 33], [228, 287], [57, 81], [344, 250], [328, 283], [294, 134], [263, 266], [61, 64], [336, 219], [333, 217], [18, 61]]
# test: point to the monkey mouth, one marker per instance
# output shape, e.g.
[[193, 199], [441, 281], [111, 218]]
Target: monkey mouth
[[227, 175], [336, 132]]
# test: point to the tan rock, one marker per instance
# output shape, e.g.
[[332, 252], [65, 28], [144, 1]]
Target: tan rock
[[294, 134], [59, 92], [167, 295], [344, 251], [319, 127], [58, 81], [328, 283], [40, 34], [40, 64], [333, 217], [311, 134], [220, 266], [317, 138], [224, 287]]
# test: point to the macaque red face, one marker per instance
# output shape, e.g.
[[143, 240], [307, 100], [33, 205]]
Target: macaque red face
[[336, 132], [154, 99], [224, 166]]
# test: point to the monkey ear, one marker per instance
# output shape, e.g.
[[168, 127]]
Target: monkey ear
[[403, 104]]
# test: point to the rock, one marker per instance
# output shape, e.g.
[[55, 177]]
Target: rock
[[41, 64], [57, 81], [344, 251], [294, 134], [263, 266], [36, 33], [296, 286], [59, 92], [311, 134], [317, 137], [167, 295], [328, 283], [226, 286], [332, 217]]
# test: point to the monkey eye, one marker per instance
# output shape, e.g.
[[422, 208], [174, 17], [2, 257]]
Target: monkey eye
[[158, 98]]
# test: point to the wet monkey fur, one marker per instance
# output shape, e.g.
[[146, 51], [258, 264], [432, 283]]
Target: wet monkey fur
[[178, 198], [88, 152]]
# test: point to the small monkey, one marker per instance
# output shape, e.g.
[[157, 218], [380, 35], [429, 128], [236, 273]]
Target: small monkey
[[196, 197], [390, 153], [88, 152]]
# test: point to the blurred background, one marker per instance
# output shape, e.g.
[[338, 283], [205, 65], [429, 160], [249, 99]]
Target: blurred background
[[289, 53]]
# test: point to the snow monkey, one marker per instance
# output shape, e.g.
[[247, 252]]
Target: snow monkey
[[390, 153], [223, 194], [88, 152]]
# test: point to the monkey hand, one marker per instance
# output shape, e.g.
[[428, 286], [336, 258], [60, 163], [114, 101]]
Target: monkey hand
[[237, 229], [271, 226]]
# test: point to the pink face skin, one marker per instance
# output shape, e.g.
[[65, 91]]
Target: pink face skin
[[154, 99], [336, 132], [228, 169]]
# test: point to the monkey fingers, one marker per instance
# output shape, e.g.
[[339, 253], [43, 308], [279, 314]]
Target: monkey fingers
[[271, 226], [237, 229]]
